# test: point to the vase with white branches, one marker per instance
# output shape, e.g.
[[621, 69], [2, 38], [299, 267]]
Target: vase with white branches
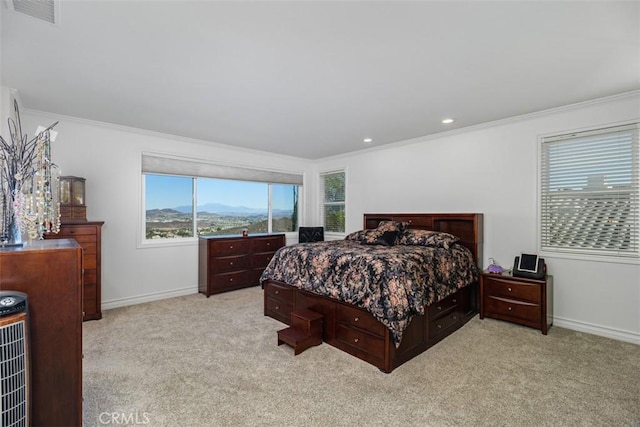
[[29, 200]]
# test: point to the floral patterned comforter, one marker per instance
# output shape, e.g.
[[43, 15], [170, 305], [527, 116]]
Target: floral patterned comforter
[[393, 283]]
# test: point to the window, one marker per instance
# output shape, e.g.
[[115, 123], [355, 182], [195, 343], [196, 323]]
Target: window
[[332, 190], [168, 202], [589, 192], [185, 206]]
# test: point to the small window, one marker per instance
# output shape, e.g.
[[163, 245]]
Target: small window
[[332, 189], [589, 192]]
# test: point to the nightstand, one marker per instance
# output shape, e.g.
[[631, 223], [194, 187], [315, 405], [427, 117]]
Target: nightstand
[[518, 300]]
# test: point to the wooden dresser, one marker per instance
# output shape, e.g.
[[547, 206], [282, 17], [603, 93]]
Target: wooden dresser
[[50, 273], [226, 263], [518, 300], [89, 235]]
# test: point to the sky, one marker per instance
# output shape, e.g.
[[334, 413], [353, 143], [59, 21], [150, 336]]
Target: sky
[[172, 191]]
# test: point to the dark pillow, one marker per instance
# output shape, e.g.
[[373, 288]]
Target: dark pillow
[[356, 235], [392, 225], [427, 238], [379, 237]]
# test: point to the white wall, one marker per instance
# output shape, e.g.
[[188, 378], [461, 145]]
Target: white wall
[[109, 158], [492, 169]]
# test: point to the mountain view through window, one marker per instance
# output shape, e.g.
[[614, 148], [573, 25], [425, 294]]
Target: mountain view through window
[[223, 207]]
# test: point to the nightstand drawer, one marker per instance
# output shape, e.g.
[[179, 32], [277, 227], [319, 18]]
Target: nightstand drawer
[[516, 299], [509, 289], [511, 308]]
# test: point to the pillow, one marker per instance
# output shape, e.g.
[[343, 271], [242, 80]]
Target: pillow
[[356, 235], [392, 225], [427, 238], [379, 237], [386, 233]]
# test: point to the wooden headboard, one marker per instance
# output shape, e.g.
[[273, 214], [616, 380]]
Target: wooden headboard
[[466, 226]]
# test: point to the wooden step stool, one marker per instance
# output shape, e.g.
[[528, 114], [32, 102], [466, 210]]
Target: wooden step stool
[[305, 331]]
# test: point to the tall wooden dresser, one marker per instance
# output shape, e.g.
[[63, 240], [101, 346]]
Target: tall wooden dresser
[[50, 273], [89, 235], [227, 263]]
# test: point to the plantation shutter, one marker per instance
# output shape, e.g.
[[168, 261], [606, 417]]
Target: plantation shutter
[[332, 191], [590, 188]]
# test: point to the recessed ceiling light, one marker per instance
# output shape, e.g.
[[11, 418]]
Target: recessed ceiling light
[[367, 140], [447, 121]]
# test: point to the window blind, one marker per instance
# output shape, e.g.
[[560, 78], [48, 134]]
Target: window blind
[[589, 190], [153, 163], [332, 190]]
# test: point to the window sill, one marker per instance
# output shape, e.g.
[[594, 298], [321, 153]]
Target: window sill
[[610, 259]]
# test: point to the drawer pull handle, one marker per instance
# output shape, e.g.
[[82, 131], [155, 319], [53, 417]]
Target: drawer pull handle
[[356, 319], [509, 308], [276, 292], [455, 318], [509, 289], [231, 263], [455, 301], [356, 340], [277, 307], [439, 308], [439, 326], [231, 280], [268, 244], [230, 246]]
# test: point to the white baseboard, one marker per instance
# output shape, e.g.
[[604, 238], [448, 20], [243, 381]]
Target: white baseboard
[[602, 331], [123, 302]]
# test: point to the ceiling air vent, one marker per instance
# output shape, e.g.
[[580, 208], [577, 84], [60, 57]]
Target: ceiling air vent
[[44, 10]]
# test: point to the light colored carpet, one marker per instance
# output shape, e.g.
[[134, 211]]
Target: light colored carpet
[[195, 361]]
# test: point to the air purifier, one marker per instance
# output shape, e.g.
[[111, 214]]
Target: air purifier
[[14, 360]]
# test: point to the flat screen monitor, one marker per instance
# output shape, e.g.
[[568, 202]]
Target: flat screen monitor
[[528, 262]]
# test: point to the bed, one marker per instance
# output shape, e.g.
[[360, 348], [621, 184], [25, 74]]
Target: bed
[[370, 287]]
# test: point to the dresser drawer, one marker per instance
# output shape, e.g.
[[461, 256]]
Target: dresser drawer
[[359, 339], [443, 323], [83, 239], [278, 309], [278, 292], [267, 244], [443, 307], [512, 290], [229, 263], [236, 279], [90, 275], [76, 230], [504, 307], [261, 260], [89, 299], [353, 318], [229, 246]]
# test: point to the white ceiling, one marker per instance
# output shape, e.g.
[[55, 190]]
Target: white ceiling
[[313, 78]]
